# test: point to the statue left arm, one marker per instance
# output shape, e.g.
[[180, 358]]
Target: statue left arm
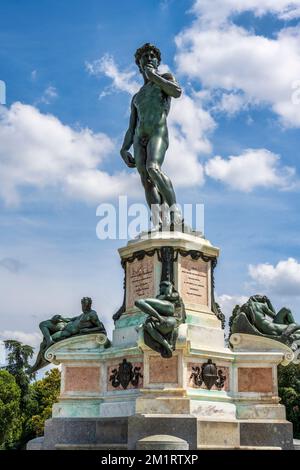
[[166, 82], [97, 325]]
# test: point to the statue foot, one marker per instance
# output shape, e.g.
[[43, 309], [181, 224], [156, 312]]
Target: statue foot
[[156, 228], [49, 343]]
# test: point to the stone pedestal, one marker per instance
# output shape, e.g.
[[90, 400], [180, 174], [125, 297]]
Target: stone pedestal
[[165, 396]]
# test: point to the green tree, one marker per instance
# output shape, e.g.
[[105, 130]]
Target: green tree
[[45, 393], [10, 415], [17, 365], [289, 391]]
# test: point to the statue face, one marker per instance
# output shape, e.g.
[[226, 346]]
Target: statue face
[[86, 305], [166, 289], [56, 318], [149, 59]]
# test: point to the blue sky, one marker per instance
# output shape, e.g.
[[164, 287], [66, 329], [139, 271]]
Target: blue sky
[[234, 145]]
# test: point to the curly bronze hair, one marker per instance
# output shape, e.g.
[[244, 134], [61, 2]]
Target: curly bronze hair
[[87, 299], [146, 47]]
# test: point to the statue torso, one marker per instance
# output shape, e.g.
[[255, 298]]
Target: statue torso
[[152, 106]]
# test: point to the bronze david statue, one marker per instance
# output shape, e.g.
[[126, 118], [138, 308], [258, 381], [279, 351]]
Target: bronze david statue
[[148, 134]]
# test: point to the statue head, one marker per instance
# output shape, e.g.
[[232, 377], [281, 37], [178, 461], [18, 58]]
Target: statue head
[[166, 288], [86, 303], [147, 54], [259, 298], [56, 319]]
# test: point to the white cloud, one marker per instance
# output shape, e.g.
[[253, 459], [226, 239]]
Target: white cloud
[[228, 302], [38, 151], [220, 10], [281, 279], [189, 126], [33, 75], [32, 339], [49, 95], [231, 103], [123, 81], [221, 55], [253, 168]]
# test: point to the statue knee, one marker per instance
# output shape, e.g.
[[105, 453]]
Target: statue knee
[[144, 178], [139, 303], [154, 172]]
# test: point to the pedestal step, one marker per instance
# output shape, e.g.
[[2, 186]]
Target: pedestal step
[[91, 447], [211, 447], [127, 432]]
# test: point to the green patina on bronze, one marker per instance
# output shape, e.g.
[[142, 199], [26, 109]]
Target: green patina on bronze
[[58, 328], [164, 315], [258, 317], [148, 133]]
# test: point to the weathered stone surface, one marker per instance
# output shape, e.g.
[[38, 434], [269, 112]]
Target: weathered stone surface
[[82, 379], [84, 431], [162, 442], [163, 370], [183, 427], [276, 433], [255, 379], [109, 433], [35, 444], [218, 433], [112, 430]]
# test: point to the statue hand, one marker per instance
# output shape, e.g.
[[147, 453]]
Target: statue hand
[[128, 158], [149, 72]]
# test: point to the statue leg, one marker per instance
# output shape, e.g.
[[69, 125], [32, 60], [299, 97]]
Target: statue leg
[[284, 317], [156, 336], [161, 306], [156, 149], [144, 306], [46, 333], [151, 191]]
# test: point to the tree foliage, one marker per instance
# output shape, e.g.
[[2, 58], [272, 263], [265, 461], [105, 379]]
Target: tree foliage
[[24, 406], [45, 393], [10, 422], [289, 391], [17, 365]]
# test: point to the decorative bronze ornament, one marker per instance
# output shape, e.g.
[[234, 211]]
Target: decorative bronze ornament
[[167, 258], [209, 374], [125, 375]]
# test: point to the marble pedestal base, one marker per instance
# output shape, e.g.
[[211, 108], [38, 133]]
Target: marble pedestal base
[[102, 407], [92, 413]]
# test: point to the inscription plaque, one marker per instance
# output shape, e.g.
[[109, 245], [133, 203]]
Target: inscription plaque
[[194, 281], [140, 280]]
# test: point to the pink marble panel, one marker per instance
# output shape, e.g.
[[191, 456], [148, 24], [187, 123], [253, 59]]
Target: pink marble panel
[[163, 370], [82, 379], [255, 379]]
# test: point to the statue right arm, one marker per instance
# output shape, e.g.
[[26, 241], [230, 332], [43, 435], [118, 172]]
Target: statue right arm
[[128, 139]]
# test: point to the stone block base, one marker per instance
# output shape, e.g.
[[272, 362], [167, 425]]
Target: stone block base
[[127, 432]]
